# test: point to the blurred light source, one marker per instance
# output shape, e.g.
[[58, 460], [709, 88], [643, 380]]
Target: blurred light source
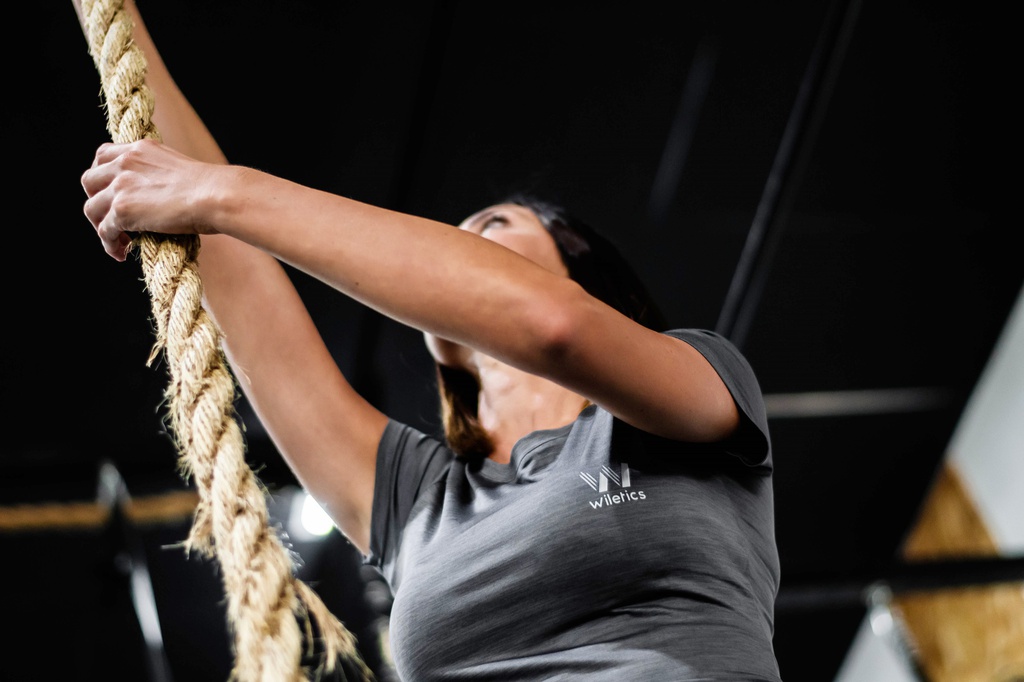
[[881, 621], [879, 598], [308, 520]]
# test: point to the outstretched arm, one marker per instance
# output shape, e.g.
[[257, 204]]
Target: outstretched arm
[[326, 432], [444, 281], [447, 282]]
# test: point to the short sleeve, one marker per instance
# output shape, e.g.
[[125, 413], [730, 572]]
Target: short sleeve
[[751, 443], [408, 462]]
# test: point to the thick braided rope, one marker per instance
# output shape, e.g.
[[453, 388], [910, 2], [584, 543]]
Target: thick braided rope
[[266, 604]]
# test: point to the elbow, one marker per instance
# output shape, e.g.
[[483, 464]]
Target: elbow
[[558, 326]]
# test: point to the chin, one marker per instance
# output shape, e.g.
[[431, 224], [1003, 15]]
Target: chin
[[445, 352]]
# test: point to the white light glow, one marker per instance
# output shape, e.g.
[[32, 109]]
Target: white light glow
[[315, 520], [881, 621]]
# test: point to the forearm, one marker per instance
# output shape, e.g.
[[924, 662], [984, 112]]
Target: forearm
[[429, 275]]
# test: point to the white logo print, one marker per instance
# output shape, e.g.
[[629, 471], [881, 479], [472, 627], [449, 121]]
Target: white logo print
[[620, 479], [601, 484]]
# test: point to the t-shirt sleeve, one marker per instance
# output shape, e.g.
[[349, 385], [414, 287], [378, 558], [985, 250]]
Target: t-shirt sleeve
[[751, 443], [408, 462]]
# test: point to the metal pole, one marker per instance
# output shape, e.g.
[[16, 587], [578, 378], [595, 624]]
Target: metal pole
[[797, 140]]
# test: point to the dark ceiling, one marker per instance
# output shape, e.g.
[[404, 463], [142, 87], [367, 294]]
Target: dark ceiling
[[824, 183]]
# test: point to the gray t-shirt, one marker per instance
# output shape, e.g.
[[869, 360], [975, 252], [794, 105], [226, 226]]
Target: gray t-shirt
[[599, 553]]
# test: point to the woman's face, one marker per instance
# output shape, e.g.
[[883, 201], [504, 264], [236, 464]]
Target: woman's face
[[514, 227], [517, 228]]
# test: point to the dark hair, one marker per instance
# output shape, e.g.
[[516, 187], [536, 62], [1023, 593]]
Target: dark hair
[[595, 264]]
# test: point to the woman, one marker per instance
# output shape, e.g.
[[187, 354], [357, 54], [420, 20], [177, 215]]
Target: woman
[[601, 505]]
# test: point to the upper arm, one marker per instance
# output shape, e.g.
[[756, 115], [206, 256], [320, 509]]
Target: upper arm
[[326, 432], [651, 380]]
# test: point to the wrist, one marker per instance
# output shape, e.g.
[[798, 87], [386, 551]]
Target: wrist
[[225, 199]]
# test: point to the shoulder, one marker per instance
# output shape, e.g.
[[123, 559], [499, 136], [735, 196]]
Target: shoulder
[[752, 442], [724, 356]]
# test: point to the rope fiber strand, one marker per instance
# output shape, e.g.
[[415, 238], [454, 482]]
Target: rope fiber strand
[[268, 608]]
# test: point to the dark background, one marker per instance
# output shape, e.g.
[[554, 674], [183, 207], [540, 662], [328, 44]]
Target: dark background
[[827, 184]]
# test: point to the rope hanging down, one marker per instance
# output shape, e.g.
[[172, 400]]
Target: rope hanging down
[[266, 602]]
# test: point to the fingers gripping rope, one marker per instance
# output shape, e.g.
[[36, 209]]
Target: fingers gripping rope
[[267, 605]]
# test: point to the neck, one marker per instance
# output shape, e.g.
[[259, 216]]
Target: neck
[[514, 403]]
